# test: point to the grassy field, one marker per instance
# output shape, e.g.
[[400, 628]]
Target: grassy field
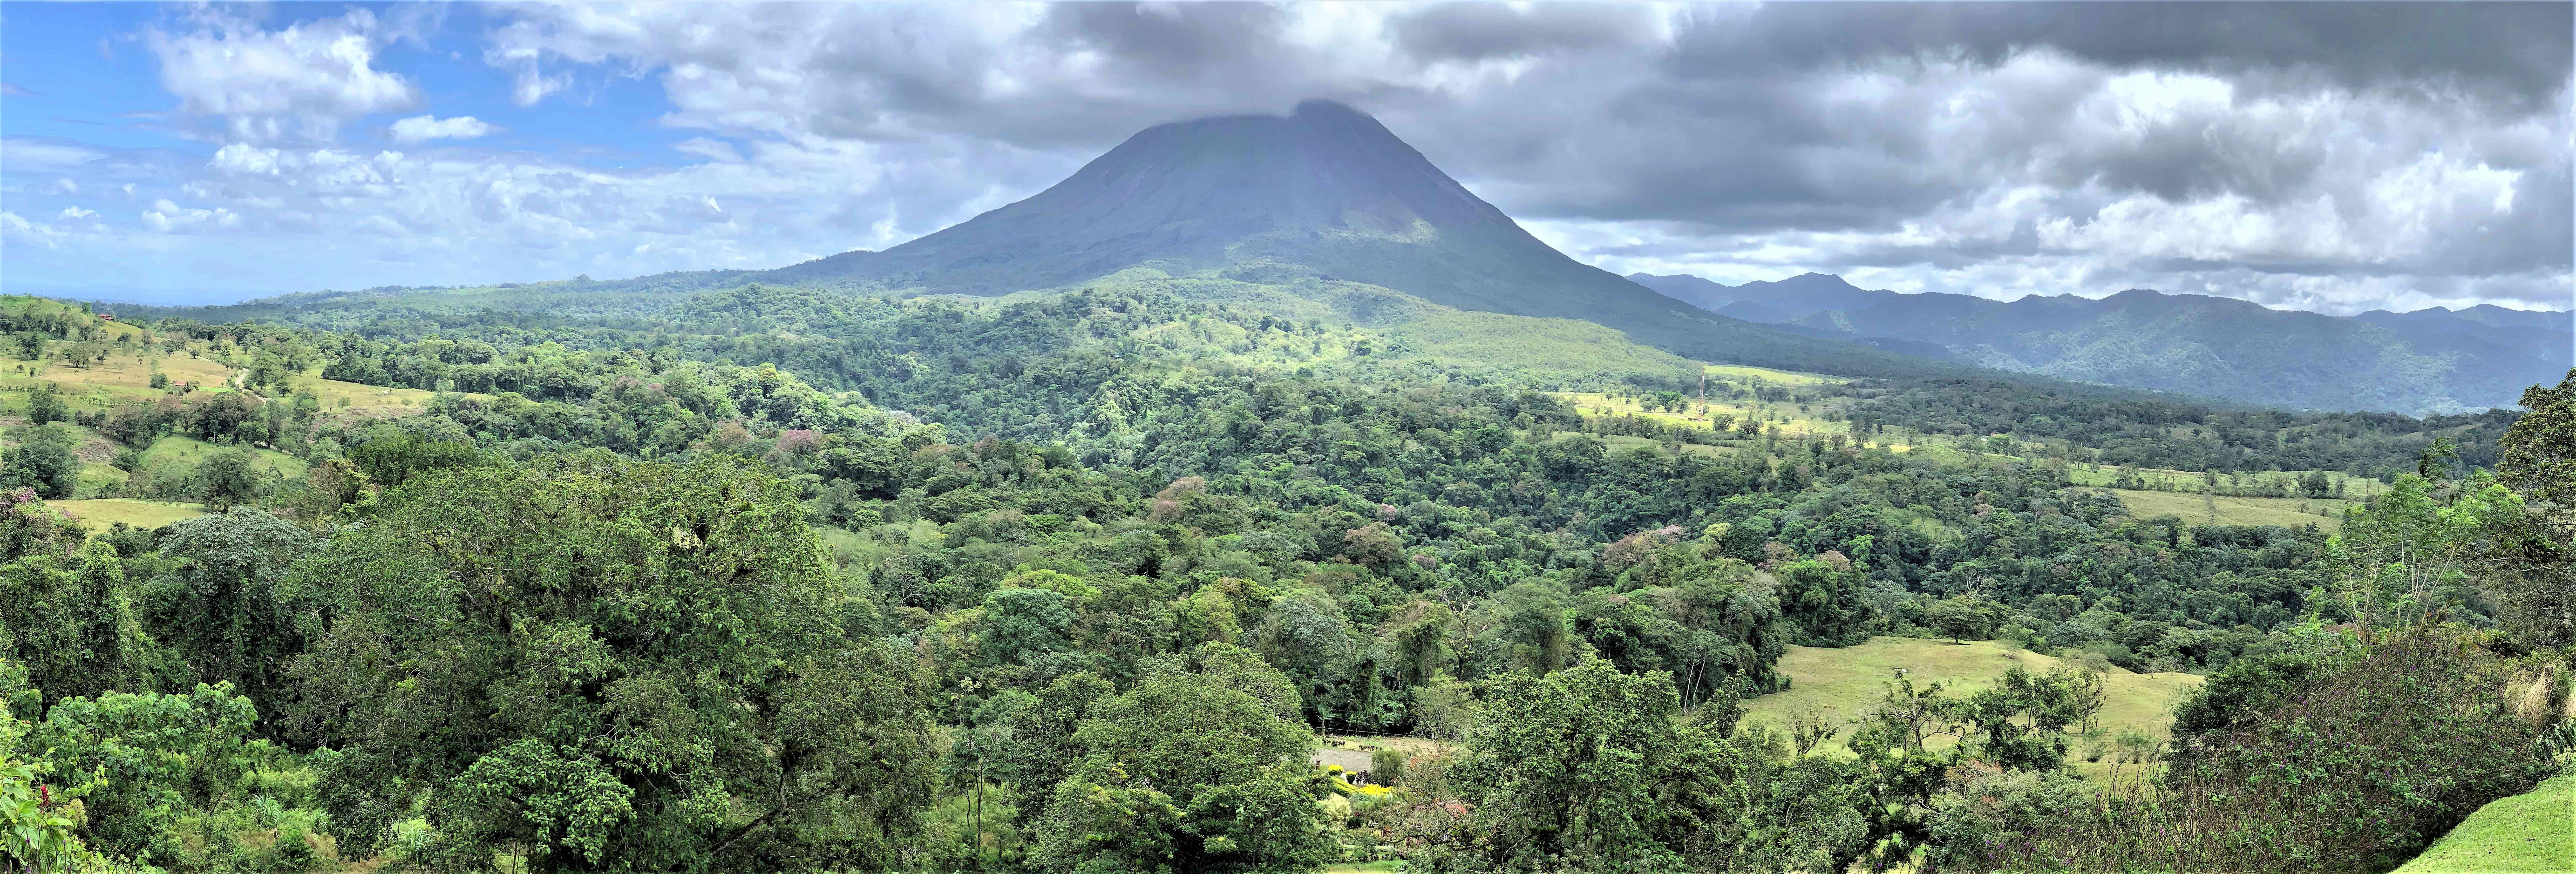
[[2530, 833], [368, 400], [2355, 487], [99, 479], [1847, 681], [2193, 509], [100, 514], [1561, 348], [1619, 443], [1743, 373], [187, 452], [124, 378], [1783, 416]]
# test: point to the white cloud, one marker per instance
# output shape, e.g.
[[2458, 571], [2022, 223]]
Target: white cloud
[[15, 228], [240, 158], [714, 150], [74, 212], [301, 80], [422, 128], [167, 217]]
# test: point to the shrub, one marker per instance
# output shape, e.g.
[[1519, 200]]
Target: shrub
[[1386, 766], [1990, 821]]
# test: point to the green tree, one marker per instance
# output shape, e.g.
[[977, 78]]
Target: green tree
[[1187, 774], [2526, 559], [1822, 596], [611, 664], [217, 607], [227, 477], [1022, 624], [390, 456], [2020, 721], [167, 756], [1563, 770], [42, 460], [2437, 458], [1035, 749], [1958, 617], [45, 405], [1591, 769], [74, 626]]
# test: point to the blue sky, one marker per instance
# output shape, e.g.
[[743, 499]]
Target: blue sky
[[2307, 155]]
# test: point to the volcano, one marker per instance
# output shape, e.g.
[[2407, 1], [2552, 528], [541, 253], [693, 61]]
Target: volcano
[[1326, 193]]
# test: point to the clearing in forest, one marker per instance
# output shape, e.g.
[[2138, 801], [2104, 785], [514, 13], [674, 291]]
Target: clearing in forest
[[2193, 509], [103, 513], [1847, 681]]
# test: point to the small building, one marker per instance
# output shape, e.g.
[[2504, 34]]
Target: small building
[[106, 318]]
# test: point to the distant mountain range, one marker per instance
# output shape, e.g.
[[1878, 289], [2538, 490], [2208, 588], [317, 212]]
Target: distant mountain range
[[2433, 360]]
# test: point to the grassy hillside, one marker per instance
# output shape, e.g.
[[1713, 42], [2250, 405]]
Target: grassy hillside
[[98, 363], [1845, 682], [188, 452], [2196, 509], [101, 514], [1372, 332], [122, 378], [2531, 833]]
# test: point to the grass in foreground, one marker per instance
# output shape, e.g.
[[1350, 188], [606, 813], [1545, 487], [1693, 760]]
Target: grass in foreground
[[2533, 832], [103, 513]]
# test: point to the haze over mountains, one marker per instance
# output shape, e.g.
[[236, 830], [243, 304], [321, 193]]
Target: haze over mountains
[[2430, 360]]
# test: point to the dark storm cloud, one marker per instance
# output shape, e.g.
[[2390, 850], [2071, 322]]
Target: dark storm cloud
[[1179, 40], [2308, 139], [2521, 47], [1479, 31]]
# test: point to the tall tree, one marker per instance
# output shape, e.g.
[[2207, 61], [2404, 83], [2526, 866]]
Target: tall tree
[[614, 665]]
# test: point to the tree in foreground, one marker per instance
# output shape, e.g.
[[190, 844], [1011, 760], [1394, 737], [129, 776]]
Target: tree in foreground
[[591, 663], [1190, 772], [1592, 769]]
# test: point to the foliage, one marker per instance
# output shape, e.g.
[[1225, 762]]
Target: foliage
[[605, 663], [216, 607], [1186, 774], [42, 460], [74, 627]]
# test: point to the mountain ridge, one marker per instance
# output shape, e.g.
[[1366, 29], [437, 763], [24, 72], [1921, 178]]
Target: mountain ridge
[[2433, 360]]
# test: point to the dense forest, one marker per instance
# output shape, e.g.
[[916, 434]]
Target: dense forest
[[771, 579]]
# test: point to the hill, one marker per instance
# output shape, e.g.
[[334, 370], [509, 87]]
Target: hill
[[2425, 361]]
